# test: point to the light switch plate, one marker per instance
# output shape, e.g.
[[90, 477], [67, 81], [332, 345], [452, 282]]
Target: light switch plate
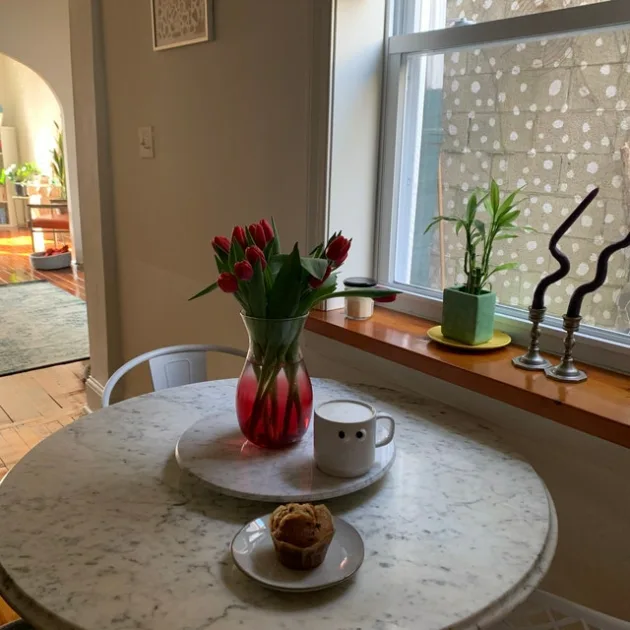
[[145, 142]]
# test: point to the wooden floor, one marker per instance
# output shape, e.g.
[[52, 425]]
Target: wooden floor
[[15, 266], [35, 404]]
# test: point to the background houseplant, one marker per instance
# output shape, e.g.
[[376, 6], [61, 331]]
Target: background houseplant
[[274, 397], [21, 175], [58, 163], [468, 310]]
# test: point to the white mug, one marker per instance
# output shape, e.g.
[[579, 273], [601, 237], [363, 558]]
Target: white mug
[[345, 437]]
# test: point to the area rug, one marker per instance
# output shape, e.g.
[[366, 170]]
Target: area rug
[[40, 325]]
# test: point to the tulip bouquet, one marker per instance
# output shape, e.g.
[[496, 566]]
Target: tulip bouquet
[[276, 292]]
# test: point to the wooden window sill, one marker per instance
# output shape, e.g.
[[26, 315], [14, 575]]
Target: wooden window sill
[[599, 406]]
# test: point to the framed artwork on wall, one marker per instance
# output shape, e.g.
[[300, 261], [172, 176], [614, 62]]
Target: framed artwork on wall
[[181, 22]]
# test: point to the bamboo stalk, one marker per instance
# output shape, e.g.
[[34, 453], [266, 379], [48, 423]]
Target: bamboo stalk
[[441, 224]]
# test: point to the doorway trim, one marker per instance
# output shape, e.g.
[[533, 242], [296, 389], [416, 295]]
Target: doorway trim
[[96, 193]]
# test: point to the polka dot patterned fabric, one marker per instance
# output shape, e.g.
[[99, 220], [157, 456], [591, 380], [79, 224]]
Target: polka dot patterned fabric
[[552, 116]]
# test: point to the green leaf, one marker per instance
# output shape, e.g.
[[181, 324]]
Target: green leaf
[[315, 267], [503, 237], [317, 295], [209, 289], [508, 217], [221, 265], [495, 199], [373, 293], [481, 228], [257, 293], [287, 288], [276, 239], [236, 254], [471, 208], [435, 220], [508, 202]]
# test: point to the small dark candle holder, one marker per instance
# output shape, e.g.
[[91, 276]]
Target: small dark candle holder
[[566, 371], [533, 360]]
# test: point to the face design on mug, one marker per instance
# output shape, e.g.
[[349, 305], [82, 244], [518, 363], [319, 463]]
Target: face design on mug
[[350, 434], [346, 442]]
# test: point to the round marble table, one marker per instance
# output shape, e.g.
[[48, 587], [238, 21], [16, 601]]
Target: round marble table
[[101, 529]]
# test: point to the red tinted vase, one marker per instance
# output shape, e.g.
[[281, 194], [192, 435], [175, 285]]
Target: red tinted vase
[[274, 395]]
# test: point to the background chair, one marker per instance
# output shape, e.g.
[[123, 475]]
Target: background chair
[[171, 366], [57, 223]]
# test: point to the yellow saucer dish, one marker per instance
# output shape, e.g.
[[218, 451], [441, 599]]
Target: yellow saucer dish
[[499, 340]]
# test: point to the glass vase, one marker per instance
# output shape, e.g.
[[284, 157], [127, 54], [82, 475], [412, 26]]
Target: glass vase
[[274, 395]]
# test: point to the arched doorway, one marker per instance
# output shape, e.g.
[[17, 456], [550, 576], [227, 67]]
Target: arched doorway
[[43, 45], [71, 29]]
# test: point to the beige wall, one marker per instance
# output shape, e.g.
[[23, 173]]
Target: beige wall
[[31, 107], [231, 121]]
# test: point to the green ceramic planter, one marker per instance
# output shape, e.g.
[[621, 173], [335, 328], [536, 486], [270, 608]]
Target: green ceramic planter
[[468, 318]]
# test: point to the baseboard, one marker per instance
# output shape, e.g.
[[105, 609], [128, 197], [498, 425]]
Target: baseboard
[[94, 393]]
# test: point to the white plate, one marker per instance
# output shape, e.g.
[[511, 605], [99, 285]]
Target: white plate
[[254, 555]]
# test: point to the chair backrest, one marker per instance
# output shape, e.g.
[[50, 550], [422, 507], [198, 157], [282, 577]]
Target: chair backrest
[[544, 611], [171, 366]]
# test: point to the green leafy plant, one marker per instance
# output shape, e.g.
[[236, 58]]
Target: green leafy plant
[[481, 236], [3, 177], [58, 162], [21, 173]]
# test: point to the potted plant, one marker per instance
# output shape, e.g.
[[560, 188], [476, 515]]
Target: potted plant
[[468, 310], [21, 175], [274, 396], [58, 163]]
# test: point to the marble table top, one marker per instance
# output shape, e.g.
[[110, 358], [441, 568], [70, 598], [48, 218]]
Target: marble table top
[[101, 529]]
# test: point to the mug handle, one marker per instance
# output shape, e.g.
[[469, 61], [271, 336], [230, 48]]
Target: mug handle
[[390, 434]]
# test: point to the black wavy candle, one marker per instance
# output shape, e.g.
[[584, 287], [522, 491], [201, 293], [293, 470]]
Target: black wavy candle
[[575, 303], [539, 294]]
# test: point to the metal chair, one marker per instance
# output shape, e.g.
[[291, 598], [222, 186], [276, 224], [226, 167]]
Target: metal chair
[[171, 367], [544, 611]]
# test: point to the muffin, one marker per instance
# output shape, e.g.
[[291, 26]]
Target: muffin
[[301, 534]]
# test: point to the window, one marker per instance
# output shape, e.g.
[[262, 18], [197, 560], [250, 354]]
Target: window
[[540, 101]]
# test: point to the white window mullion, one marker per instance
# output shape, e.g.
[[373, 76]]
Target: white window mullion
[[594, 17]]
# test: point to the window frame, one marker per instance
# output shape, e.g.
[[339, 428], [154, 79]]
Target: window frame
[[596, 346]]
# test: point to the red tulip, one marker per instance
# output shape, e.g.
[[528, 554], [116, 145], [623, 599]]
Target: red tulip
[[337, 250], [315, 283], [243, 270], [267, 229], [386, 298], [238, 235], [228, 283], [221, 244], [255, 253], [258, 234]]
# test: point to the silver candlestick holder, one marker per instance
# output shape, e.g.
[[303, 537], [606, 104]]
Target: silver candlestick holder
[[533, 360], [566, 371]]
